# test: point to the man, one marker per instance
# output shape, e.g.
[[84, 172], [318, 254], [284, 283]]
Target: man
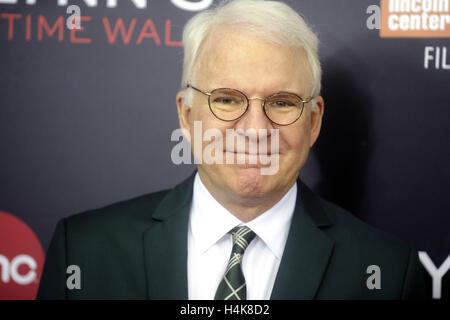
[[233, 231]]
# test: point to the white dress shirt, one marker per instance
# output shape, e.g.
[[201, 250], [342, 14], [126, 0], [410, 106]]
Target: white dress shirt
[[209, 244]]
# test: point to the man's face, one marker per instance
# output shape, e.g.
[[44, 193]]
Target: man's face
[[230, 59]]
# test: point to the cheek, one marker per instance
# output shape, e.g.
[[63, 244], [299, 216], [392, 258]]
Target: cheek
[[296, 144], [204, 127], [197, 114], [199, 120], [295, 139], [208, 120]]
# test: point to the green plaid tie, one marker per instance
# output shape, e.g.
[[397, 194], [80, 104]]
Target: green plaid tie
[[232, 286]]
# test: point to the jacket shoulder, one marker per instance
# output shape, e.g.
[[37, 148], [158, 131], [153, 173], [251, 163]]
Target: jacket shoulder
[[347, 223], [121, 214], [106, 245], [358, 243]]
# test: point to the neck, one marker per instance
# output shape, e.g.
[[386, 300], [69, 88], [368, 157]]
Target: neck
[[244, 208]]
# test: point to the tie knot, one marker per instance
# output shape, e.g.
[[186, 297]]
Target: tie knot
[[242, 236]]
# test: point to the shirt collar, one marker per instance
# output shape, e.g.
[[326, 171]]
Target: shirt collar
[[210, 221]]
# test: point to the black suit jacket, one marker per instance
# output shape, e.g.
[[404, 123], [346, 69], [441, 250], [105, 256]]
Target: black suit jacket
[[137, 249]]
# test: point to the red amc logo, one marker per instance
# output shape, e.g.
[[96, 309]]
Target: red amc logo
[[21, 259]]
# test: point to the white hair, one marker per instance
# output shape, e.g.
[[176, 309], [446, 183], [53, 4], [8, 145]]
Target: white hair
[[275, 21]]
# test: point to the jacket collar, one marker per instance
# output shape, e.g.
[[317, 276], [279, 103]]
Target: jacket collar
[[307, 251], [165, 245], [302, 267]]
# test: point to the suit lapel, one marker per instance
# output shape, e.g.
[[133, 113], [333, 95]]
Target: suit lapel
[[165, 245], [307, 250], [302, 267]]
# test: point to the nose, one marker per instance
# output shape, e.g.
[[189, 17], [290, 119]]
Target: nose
[[254, 118]]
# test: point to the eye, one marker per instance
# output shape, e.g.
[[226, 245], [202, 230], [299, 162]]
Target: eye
[[281, 103], [225, 100]]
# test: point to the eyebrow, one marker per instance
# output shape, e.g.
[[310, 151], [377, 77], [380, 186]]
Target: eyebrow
[[262, 96]]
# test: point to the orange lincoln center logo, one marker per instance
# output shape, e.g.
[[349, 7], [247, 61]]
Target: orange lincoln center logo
[[415, 19]]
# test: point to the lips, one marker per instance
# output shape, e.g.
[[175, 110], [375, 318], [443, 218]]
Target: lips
[[250, 150], [250, 154], [250, 160]]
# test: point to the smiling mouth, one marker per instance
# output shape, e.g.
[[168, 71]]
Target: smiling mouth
[[268, 154], [251, 160]]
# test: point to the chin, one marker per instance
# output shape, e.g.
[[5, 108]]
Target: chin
[[249, 183]]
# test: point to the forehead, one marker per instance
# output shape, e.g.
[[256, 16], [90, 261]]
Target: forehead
[[245, 61]]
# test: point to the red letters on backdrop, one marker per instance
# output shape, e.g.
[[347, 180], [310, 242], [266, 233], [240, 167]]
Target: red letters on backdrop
[[117, 31]]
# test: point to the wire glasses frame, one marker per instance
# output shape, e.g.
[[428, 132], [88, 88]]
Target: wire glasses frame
[[247, 100]]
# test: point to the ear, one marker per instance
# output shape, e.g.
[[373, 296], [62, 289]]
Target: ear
[[316, 119], [184, 113]]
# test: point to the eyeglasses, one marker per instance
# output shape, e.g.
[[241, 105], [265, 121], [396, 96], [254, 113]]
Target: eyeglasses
[[282, 108]]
